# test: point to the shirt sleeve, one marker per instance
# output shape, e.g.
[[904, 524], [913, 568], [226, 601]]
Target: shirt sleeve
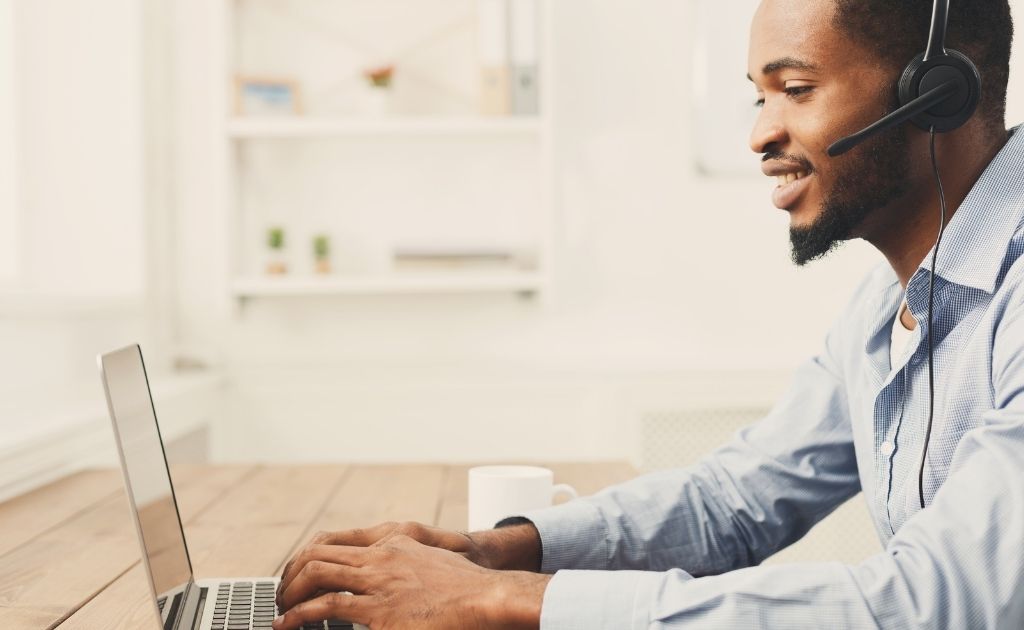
[[956, 564]]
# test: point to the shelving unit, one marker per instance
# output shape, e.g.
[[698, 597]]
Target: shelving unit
[[393, 283], [401, 179]]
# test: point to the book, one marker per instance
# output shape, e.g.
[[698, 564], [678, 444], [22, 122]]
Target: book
[[442, 257], [493, 47], [524, 55]]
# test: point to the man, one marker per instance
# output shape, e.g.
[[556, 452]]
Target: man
[[681, 548]]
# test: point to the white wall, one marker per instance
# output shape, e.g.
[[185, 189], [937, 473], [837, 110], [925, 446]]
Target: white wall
[[77, 82], [80, 118], [1015, 91], [663, 276]]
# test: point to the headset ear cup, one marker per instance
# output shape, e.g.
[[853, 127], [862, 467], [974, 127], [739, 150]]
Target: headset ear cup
[[908, 86], [920, 76]]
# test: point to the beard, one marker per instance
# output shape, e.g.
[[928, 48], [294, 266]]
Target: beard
[[874, 176]]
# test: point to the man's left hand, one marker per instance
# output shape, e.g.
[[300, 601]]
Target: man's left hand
[[401, 583]]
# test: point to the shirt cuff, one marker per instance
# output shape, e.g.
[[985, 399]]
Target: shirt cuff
[[572, 535], [591, 600]]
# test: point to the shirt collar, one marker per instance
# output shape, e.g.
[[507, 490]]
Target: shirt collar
[[977, 237]]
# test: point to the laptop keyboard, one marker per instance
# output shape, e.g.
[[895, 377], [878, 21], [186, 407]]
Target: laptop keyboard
[[244, 606], [248, 606]]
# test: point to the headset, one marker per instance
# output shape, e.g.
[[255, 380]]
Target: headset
[[939, 91]]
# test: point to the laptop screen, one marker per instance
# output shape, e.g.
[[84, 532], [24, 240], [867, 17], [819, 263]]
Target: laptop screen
[[145, 468]]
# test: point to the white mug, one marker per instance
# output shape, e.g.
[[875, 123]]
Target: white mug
[[496, 492]]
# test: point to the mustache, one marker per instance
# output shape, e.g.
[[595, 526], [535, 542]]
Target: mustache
[[787, 157]]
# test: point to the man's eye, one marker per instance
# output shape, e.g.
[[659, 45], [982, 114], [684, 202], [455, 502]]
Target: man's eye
[[792, 92], [799, 90]]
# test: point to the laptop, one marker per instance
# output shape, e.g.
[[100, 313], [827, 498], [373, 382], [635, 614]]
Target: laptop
[[181, 602]]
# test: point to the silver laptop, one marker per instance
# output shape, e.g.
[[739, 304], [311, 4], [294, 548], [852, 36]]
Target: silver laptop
[[182, 603]]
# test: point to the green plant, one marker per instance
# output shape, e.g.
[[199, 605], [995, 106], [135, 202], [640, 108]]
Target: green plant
[[275, 238], [321, 246], [380, 77]]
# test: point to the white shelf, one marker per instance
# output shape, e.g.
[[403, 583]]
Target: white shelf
[[392, 283], [254, 128]]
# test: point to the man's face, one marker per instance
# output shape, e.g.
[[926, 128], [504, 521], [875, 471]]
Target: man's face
[[814, 87]]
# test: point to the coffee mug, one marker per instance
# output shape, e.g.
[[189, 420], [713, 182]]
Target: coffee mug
[[496, 492]]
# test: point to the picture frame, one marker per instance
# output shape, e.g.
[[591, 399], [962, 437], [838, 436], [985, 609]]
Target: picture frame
[[267, 96]]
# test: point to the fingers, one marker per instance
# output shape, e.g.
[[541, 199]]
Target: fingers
[[347, 538], [375, 536], [330, 606], [430, 536], [355, 537], [319, 576], [333, 554]]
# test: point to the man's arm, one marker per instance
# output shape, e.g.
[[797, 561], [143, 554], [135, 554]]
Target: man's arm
[[956, 564], [516, 546]]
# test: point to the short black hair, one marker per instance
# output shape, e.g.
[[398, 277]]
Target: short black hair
[[897, 30]]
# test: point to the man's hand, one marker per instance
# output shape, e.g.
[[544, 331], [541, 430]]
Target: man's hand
[[516, 547], [398, 582]]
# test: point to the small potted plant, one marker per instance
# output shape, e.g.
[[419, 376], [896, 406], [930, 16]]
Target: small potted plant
[[275, 243], [378, 93], [322, 253]]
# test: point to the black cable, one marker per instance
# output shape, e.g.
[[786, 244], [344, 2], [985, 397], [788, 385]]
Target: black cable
[[931, 304]]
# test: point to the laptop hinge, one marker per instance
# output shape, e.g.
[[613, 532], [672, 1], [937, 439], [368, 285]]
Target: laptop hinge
[[190, 612]]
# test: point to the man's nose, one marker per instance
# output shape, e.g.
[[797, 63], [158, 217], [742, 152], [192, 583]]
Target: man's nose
[[768, 131]]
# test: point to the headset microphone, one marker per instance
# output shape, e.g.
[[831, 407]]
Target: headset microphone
[[938, 92], [907, 112]]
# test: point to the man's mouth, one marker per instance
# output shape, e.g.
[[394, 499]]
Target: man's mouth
[[789, 178], [791, 186]]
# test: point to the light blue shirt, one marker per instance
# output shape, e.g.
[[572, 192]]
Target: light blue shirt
[[680, 549]]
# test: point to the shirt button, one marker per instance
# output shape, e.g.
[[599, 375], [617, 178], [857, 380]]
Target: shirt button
[[887, 448]]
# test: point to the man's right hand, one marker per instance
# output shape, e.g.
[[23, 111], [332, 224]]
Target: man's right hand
[[514, 548]]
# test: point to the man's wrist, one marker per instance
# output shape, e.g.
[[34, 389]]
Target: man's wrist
[[512, 548], [514, 600]]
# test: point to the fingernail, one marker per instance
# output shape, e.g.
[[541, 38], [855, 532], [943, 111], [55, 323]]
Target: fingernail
[[276, 623]]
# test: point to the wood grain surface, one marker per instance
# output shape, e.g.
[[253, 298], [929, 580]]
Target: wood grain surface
[[69, 556]]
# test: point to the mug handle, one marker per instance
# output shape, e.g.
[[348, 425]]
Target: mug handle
[[563, 488]]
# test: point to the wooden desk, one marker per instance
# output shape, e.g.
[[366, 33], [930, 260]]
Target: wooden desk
[[69, 557]]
